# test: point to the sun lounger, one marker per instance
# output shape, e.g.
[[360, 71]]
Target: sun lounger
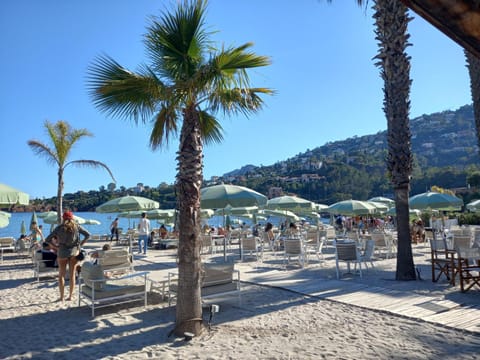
[[96, 290], [218, 280], [40, 268], [114, 260], [6, 244]]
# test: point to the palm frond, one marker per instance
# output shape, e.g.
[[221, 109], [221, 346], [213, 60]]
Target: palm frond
[[94, 164], [175, 41], [234, 101], [210, 128], [44, 151], [120, 92], [164, 127]]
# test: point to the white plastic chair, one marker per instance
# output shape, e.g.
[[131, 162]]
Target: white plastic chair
[[348, 252], [293, 248]]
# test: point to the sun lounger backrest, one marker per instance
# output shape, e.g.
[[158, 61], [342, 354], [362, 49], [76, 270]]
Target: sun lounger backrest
[[216, 274], [7, 242], [91, 272], [116, 258]]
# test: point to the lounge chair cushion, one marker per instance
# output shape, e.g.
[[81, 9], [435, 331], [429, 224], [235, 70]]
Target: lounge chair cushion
[[112, 290], [90, 272]]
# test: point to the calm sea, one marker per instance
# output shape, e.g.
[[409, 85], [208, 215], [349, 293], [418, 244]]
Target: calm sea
[[13, 229]]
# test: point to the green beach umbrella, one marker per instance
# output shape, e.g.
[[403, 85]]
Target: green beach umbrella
[[127, 203], [435, 201], [11, 196], [380, 207], [51, 218], [4, 219], [473, 205], [351, 207], [92, 222], [292, 203], [33, 220], [23, 228], [221, 196], [384, 200]]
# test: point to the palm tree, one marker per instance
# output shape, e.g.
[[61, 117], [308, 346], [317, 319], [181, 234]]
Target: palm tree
[[63, 138], [473, 65], [187, 82], [391, 19]]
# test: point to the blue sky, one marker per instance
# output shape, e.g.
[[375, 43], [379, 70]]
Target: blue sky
[[327, 86]]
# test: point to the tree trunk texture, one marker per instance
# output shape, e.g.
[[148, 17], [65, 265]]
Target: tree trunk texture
[[391, 19], [189, 181], [473, 64], [60, 196]]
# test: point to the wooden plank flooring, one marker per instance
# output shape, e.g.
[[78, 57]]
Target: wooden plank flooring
[[436, 308]]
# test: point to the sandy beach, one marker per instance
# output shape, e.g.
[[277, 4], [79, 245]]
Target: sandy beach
[[268, 323]]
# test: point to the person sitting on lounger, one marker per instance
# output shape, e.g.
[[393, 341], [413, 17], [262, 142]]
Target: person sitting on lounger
[[49, 255]]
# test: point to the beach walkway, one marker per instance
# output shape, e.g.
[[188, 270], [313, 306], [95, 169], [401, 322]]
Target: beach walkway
[[438, 303]]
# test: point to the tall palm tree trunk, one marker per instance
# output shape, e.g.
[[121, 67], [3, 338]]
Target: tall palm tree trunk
[[473, 64], [59, 195], [391, 20], [189, 181]]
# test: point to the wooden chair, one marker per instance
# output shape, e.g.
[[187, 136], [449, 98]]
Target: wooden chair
[[468, 267], [441, 259]]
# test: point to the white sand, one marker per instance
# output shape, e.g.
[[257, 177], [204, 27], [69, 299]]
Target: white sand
[[268, 324]]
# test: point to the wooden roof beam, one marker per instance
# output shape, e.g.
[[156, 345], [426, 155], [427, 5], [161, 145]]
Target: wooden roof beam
[[458, 19]]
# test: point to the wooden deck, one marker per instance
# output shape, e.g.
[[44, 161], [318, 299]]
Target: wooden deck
[[444, 304]]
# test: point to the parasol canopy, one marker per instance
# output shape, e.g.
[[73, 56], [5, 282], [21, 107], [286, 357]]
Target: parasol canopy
[[434, 200], [221, 196], [11, 196], [127, 203], [351, 207]]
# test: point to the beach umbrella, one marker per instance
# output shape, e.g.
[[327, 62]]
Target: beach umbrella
[[473, 205], [240, 210], [165, 214], [291, 216], [434, 200], [221, 196], [380, 207], [4, 219], [11, 196], [319, 207], [52, 219], [384, 200], [23, 228], [92, 222], [33, 219], [127, 203], [412, 212], [351, 207], [292, 203], [206, 213]]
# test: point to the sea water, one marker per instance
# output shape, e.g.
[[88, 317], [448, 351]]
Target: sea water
[[14, 227]]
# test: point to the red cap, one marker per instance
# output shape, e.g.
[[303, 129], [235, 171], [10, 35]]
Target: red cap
[[67, 215]]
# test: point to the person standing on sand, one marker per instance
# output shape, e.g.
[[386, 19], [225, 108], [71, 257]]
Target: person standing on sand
[[114, 229], [143, 233], [67, 236]]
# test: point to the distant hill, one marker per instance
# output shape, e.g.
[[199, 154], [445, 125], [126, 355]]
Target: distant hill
[[446, 138], [444, 146]]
